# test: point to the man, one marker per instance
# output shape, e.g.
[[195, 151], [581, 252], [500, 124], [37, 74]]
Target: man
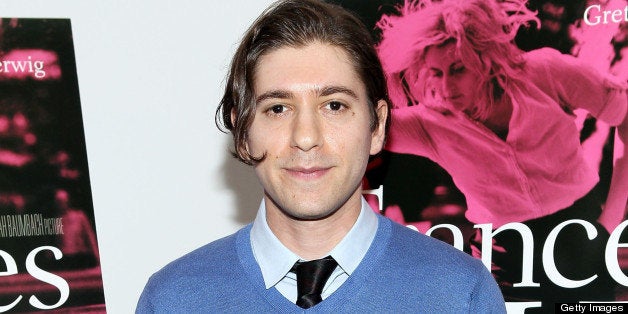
[[306, 102]]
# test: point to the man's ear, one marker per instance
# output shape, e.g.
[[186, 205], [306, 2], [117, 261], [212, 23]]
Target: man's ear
[[379, 134]]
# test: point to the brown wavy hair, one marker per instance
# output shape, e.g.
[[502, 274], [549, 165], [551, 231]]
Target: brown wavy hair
[[295, 23]]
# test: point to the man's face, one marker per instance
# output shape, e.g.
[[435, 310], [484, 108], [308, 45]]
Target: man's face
[[312, 121]]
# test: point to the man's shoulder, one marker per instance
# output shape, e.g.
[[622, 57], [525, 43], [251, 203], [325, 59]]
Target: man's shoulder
[[409, 248], [210, 262], [195, 279], [452, 280]]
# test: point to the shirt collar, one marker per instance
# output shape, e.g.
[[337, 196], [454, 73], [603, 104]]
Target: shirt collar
[[352, 248], [275, 260]]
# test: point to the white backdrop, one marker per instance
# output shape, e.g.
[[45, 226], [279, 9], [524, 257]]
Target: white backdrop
[[150, 78]]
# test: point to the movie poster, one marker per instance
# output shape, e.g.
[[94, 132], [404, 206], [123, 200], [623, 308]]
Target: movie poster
[[417, 192], [49, 260]]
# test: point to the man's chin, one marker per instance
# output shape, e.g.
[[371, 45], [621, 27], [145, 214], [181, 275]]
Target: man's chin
[[309, 215], [307, 212]]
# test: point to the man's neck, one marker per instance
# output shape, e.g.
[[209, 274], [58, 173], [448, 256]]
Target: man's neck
[[312, 239]]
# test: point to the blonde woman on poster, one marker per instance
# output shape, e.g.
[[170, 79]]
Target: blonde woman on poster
[[500, 121]]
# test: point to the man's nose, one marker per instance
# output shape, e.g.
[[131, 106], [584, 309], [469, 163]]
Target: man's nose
[[306, 130]]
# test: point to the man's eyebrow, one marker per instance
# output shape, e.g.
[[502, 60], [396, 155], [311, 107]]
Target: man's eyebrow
[[274, 94], [330, 90], [321, 92]]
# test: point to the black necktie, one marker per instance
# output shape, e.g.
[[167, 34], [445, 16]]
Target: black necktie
[[311, 278]]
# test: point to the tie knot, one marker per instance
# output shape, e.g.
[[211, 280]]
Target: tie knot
[[311, 278]]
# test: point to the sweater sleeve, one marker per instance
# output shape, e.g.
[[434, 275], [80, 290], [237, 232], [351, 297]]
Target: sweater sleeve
[[486, 297], [144, 305]]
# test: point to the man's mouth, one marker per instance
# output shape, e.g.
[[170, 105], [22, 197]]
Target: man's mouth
[[307, 172]]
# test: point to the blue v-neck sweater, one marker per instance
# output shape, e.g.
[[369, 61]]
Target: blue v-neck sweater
[[403, 271]]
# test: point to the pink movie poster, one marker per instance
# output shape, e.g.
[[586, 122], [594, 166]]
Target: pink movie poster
[[508, 140], [49, 259]]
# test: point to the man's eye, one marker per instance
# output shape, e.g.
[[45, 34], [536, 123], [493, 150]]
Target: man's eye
[[335, 105], [277, 109]]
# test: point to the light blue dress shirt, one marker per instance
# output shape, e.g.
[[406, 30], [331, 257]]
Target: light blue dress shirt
[[275, 260]]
